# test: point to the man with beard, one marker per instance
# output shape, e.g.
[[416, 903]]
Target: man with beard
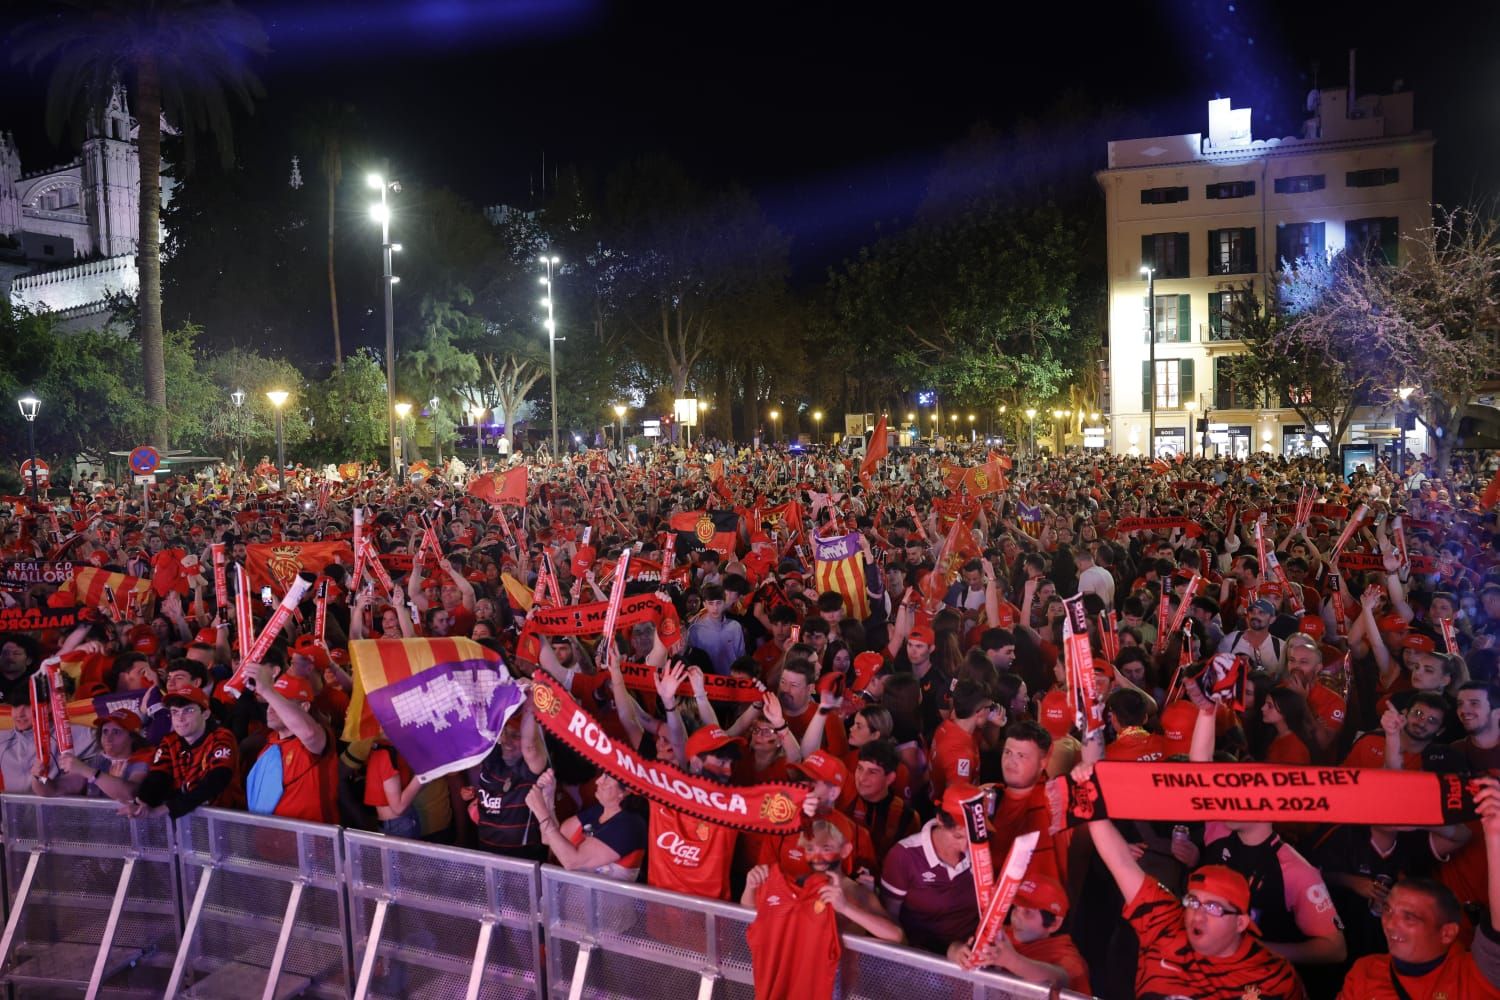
[[501, 783], [794, 942]]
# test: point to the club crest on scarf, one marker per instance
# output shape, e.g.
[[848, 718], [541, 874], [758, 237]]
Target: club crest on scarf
[[778, 808], [705, 529]]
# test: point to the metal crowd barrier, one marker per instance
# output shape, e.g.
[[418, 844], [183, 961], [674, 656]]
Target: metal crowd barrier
[[269, 916], [92, 899], [432, 921], [282, 909]]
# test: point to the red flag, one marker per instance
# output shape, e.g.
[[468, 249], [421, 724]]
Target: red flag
[[498, 488], [1491, 493], [277, 564], [880, 446]]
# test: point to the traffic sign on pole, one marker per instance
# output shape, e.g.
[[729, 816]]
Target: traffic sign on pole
[[43, 472], [144, 460]]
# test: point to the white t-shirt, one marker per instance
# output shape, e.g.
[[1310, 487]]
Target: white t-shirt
[[1098, 580]]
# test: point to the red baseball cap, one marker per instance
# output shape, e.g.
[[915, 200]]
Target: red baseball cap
[[1042, 892], [186, 694], [1312, 625], [922, 634], [1177, 722], [822, 766], [866, 666], [310, 647], [207, 636], [1226, 883], [294, 688], [707, 739], [955, 796], [1416, 642], [145, 642], [1390, 622], [122, 717]]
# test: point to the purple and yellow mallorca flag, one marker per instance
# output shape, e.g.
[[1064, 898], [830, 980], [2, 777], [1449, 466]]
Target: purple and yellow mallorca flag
[[839, 567], [441, 702]]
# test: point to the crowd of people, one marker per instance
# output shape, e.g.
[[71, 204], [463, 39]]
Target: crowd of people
[[1365, 613]]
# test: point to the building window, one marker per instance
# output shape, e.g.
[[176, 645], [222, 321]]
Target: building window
[[48, 250], [1372, 178], [1166, 253], [1173, 383], [1230, 189], [1295, 396], [1298, 240], [1221, 312], [1369, 237], [1301, 184], [1228, 394], [1231, 251], [1172, 319], [1163, 195]]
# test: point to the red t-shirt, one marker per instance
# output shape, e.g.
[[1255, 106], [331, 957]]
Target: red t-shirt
[[1135, 744], [1369, 751], [1169, 967], [954, 759], [835, 737], [1288, 749], [689, 855], [1458, 977], [794, 940], [309, 783], [1015, 815], [1058, 950]]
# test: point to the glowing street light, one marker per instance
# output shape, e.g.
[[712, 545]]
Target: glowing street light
[[1031, 419], [381, 213], [477, 411], [620, 425], [278, 399], [548, 261], [817, 416], [774, 415], [29, 406]]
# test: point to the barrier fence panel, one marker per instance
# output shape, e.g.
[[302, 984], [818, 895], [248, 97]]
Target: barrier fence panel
[[92, 899], [267, 916], [608, 939], [612, 939], [431, 921]]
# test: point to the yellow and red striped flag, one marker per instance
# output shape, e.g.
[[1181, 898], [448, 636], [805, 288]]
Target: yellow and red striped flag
[[839, 567], [88, 583]]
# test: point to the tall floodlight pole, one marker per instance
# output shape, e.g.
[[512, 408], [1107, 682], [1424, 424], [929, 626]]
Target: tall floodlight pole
[[29, 406], [547, 261], [1150, 274], [381, 213]]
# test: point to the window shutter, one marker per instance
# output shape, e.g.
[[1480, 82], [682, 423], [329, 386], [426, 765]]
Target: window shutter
[[1247, 251], [1148, 251], [1213, 251], [1184, 319], [1215, 309], [1315, 242], [1145, 386], [1185, 390], [1183, 269]]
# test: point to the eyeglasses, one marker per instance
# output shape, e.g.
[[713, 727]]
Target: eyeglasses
[[1207, 906]]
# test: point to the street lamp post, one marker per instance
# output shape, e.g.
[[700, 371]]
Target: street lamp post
[[817, 426], [1150, 275], [478, 413], [278, 400], [547, 261], [381, 213], [774, 415], [971, 428], [1191, 406], [1031, 421], [1401, 416], [29, 406], [620, 427], [237, 397], [402, 411]]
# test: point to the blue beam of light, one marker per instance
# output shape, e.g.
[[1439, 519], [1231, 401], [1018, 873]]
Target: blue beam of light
[[358, 30]]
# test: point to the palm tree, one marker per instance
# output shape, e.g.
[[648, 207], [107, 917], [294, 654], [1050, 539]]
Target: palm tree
[[182, 57], [330, 127]]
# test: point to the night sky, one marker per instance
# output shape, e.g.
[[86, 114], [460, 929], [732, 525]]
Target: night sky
[[832, 117]]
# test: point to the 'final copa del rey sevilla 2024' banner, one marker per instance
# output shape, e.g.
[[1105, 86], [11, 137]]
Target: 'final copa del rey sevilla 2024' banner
[[1256, 792], [769, 808]]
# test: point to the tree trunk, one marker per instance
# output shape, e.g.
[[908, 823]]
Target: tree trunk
[[333, 291], [148, 251]]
